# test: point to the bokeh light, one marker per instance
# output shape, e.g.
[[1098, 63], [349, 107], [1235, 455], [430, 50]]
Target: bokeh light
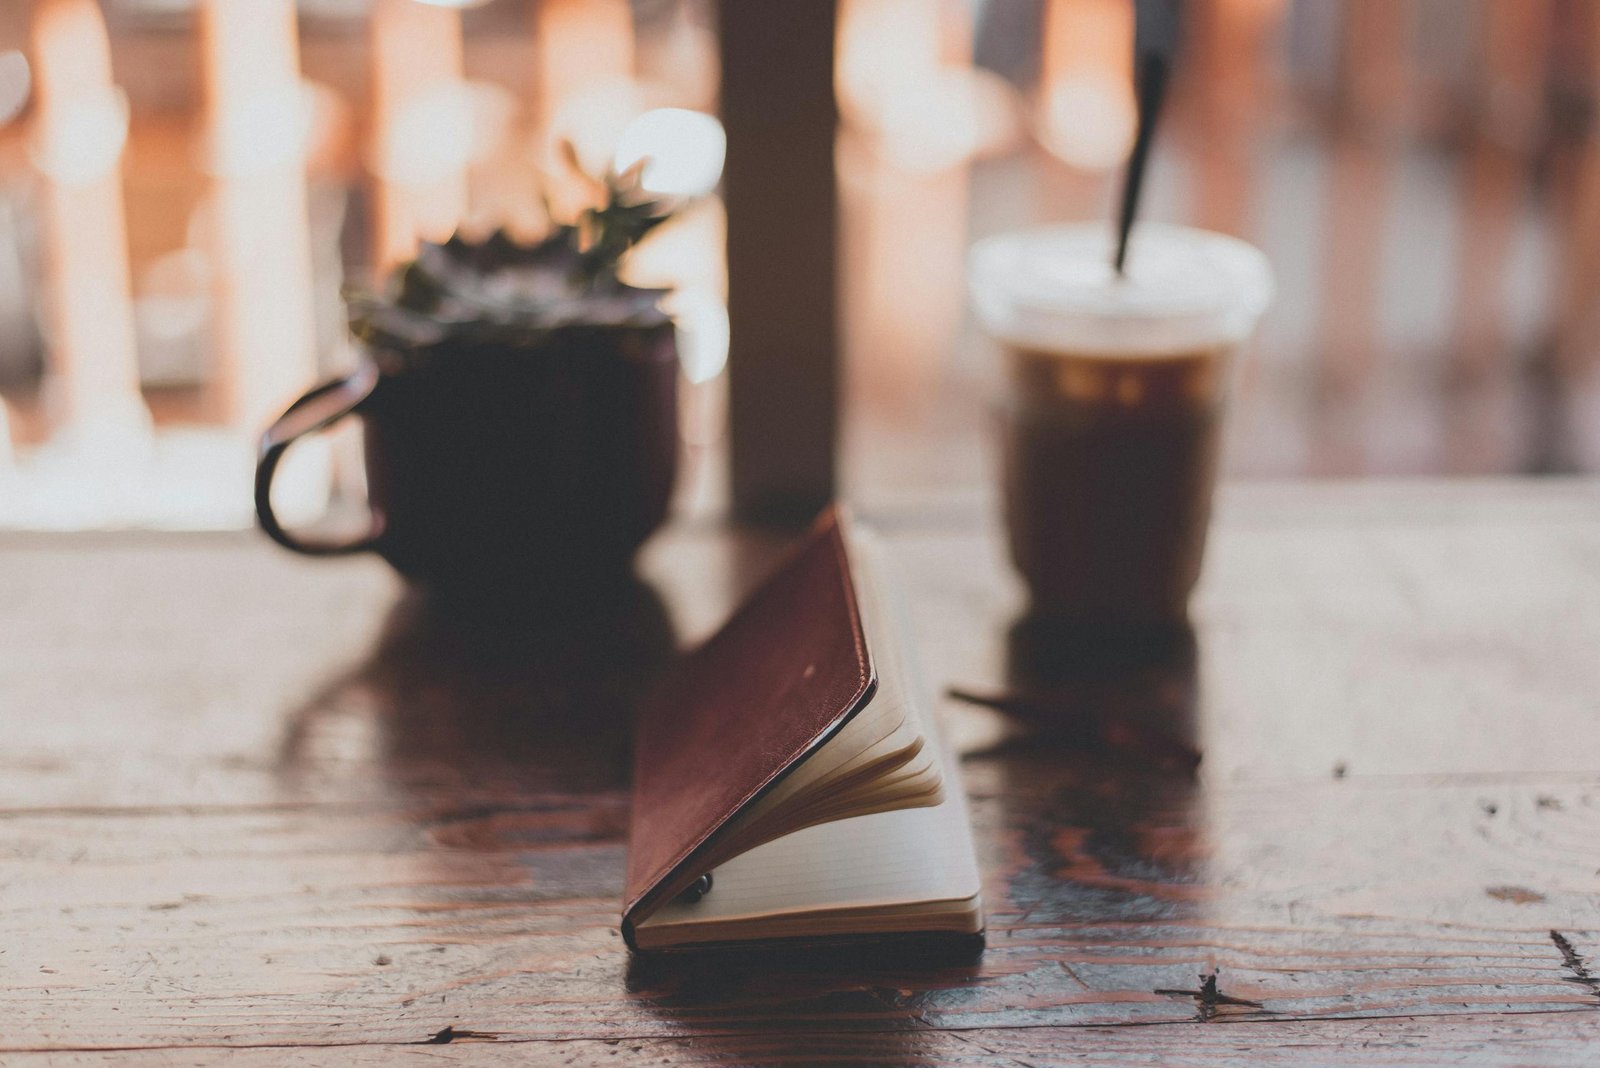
[[683, 150], [1088, 121]]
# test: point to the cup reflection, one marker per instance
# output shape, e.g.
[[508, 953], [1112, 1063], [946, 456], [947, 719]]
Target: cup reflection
[[1122, 689], [461, 694]]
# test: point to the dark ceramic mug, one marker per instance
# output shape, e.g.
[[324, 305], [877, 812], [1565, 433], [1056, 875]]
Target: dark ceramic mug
[[493, 468]]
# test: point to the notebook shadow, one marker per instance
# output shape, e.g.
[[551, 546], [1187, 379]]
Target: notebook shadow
[[542, 702], [875, 983]]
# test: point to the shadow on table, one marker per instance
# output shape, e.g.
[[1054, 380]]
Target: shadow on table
[[465, 697], [1093, 791], [872, 983], [1123, 693]]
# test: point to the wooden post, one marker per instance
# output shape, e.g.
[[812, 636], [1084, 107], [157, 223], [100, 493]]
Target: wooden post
[[1370, 122], [584, 93], [779, 110], [1086, 87], [580, 44], [1233, 98], [1487, 417], [261, 240], [903, 209], [80, 126], [421, 127]]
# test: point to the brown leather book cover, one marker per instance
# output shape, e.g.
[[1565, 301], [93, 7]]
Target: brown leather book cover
[[780, 678]]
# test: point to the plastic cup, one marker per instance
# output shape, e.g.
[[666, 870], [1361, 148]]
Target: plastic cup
[[1112, 413]]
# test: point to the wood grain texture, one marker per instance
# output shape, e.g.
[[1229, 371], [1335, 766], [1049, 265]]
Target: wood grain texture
[[291, 925], [1467, 1040], [249, 801]]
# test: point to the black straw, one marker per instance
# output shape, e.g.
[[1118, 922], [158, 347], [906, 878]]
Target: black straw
[[1156, 37]]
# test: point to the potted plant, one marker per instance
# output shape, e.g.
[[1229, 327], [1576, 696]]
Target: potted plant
[[519, 403]]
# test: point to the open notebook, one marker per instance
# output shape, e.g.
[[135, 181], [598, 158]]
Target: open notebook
[[792, 760]]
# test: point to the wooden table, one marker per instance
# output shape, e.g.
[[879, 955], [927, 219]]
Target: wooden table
[[255, 804]]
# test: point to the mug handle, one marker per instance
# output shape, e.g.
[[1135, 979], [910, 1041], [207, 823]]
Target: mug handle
[[318, 410]]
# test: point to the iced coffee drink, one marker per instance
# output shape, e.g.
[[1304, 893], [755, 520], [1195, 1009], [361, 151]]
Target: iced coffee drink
[[1112, 412]]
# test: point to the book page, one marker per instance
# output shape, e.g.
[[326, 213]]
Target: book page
[[888, 859]]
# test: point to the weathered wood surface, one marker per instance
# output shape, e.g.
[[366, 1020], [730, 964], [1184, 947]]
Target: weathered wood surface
[[250, 801], [1468, 1040]]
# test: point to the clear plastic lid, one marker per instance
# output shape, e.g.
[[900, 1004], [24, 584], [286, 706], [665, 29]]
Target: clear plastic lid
[[1053, 288]]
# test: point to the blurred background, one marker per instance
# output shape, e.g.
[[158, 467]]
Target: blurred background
[[186, 186]]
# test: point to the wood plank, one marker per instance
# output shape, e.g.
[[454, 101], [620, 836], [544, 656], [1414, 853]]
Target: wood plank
[[1393, 629], [1324, 610], [152, 669], [305, 925], [1542, 1038], [252, 800]]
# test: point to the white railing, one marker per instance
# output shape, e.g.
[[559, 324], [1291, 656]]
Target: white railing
[[443, 151]]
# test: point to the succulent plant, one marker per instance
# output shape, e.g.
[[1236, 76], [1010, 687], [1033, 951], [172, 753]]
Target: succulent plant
[[499, 289]]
